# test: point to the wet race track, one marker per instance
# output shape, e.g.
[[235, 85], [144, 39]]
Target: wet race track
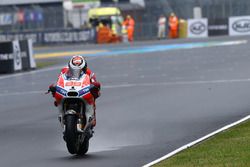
[[151, 104]]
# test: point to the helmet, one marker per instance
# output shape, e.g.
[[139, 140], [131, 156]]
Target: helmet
[[172, 14], [77, 65]]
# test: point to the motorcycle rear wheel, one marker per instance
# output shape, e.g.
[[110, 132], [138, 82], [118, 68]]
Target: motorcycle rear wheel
[[84, 147]]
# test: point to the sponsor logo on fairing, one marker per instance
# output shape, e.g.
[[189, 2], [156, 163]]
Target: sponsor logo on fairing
[[84, 91], [61, 91]]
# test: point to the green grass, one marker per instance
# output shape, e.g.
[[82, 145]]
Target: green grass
[[230, 148], [44, 64]]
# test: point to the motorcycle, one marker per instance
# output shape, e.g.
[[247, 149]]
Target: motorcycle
[[75, 102]]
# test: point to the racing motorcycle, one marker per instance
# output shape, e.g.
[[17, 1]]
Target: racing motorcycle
[[75, 102]]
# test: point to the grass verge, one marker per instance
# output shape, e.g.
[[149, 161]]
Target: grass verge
[[229, 148], [40, 65]]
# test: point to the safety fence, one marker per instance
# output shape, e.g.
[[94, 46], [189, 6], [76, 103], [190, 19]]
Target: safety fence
[[216, 11], [232, 26], [192, 28], [50, 23]]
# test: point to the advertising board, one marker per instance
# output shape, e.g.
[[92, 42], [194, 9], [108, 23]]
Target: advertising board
[[239, 25], [197, 28]]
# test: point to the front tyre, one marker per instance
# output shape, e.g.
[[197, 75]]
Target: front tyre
[[70, 133]]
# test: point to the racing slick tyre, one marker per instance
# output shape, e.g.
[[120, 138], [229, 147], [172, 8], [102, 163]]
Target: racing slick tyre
[[84, 147], [70, 134]]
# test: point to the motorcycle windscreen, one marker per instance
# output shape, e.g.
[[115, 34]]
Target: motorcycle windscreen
[[74, 73]]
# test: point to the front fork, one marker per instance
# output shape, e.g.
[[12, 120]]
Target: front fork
[[81, 127]]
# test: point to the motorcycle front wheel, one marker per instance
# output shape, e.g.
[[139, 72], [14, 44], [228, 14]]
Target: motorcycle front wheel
[[70, 133]]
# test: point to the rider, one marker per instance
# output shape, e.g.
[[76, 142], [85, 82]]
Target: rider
[[76, 67]]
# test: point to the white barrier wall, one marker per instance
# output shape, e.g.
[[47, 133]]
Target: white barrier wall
[[16, 56], [197, 28], [239, 25], [32, 61]]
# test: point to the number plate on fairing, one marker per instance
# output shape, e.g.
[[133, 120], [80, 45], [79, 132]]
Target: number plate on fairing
[[73, 83]]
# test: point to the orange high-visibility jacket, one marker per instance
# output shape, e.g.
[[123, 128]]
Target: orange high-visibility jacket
[[173, 22], [130, 29]]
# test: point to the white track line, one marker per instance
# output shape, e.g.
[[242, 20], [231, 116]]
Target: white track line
[[196, 141], [30, 72], [21, 93], [178, 83], [141, 85], [35, 71]]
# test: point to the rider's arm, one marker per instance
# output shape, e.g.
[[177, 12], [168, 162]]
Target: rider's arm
[[96, 86], [91, 75]]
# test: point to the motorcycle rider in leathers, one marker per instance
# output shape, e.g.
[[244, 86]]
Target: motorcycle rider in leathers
[[76, 66]]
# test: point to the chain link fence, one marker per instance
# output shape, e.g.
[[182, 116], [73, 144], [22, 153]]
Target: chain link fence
[[212, 9], [52, 16], [31, 17]]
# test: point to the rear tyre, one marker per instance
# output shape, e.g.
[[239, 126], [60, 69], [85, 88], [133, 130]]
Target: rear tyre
[[84, 147], [70, 134]]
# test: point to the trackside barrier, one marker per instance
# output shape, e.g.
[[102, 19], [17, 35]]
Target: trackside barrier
[[198, 28], [232, 26], [192, 28], [218, 27], [239, 25], [16, 56], [51, 36]]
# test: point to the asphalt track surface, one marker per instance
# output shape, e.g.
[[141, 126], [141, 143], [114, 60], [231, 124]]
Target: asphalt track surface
[[151, 104]]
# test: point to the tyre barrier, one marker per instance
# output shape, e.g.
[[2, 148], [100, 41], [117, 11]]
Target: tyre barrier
[[16, 56]]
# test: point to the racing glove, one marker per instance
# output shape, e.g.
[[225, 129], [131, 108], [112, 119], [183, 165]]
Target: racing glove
[[52, 89], [95, 88]]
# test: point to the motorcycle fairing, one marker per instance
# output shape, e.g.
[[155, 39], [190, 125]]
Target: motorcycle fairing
[[81, 86]]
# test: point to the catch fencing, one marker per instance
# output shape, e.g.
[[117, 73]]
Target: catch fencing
[[215, 11], [31, 17], [36, 21]]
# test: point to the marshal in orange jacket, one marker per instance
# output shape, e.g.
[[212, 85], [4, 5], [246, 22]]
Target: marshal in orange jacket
[[173, 26]]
